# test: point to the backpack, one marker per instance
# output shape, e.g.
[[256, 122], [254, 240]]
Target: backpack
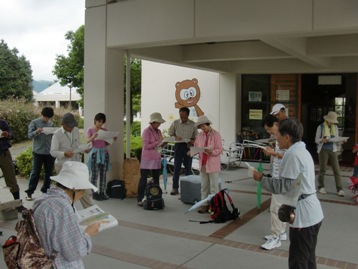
[[153, 197], [24, 250], [219, 212], [116, 189]]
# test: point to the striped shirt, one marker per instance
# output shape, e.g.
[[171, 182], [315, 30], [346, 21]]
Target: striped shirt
[[41, 142]]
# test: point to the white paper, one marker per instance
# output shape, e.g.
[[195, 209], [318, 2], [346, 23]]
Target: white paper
[[250, 170], [196, 150], [338, 139], [184, 140], [170, 139], [95, 213], [49, 130], [0, 133], [106, 135], [82, 148]]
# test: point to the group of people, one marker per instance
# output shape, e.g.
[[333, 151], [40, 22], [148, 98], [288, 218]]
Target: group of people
[[53, 150], [186, 135]]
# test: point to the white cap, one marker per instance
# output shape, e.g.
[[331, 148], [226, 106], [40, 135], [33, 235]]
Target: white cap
[[276, 108], [74, 176]]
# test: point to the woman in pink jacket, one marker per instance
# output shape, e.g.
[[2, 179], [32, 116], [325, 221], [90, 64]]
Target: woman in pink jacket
[[151, 158], [209, 160]]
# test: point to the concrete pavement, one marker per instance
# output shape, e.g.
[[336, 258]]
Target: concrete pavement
[[168, 239]]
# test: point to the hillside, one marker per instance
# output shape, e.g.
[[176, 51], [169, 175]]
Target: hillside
[[40, 85]]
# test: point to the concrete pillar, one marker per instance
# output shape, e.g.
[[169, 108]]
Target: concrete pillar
[[103, 82]]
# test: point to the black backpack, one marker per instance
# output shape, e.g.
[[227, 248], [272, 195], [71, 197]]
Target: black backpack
[[116, 189], [153, 197], [219, 212]]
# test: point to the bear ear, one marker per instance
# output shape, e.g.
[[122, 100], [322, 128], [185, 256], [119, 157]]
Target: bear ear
[[195, 80], [177, 84]]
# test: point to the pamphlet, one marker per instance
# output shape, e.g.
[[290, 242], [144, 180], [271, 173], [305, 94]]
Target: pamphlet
[[82, 148], [170, 139], [106, 135], [94, 213], [0, 133], [338, 139], [196, 150], [49, 130]]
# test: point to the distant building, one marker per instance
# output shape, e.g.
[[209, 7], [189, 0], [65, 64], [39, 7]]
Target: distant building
[[58, 96]]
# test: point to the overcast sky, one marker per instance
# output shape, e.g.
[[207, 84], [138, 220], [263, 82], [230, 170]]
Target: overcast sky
[[37, 29]]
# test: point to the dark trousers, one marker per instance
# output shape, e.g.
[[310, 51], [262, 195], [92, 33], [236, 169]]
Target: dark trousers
[[8, 171], [143, 181], [302, 253], [37, 161], [181, 157]]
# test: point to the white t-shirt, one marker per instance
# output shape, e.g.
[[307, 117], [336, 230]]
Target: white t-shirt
[[298, 164]]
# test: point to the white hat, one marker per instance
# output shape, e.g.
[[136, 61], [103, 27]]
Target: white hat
[[156, 117], [331, 117], [276, 108], [74, 176], [202, 120]]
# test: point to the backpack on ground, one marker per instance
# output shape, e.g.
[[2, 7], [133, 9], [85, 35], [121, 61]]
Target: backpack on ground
[[116, 189], [219, 212], [153, 197], [24, 250]]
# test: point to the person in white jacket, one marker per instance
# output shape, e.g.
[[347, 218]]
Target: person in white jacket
[[327, 151]]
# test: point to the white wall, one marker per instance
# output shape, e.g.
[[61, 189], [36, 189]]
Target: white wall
[[217, 92]]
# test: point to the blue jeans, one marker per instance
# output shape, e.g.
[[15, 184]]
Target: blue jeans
[[181, 157], [37, 161]]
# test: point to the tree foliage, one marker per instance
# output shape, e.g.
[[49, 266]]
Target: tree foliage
[[69, 69], [15, 74]]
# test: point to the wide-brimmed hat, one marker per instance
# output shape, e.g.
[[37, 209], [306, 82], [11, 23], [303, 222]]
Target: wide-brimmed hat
[[202, 120], [156, 117], [74, 176], [331, 117], [69, 120], [276, 108]]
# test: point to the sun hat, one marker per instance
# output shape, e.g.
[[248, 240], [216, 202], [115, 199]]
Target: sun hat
[[276, 108], [331, 117], [202, 120], [74, 176], [156, 117], [69, 120]]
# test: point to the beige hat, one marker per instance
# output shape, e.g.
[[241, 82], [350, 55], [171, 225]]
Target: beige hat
[[156, 117], [276, 108], [202, 120], [331, 117], [74, 176]]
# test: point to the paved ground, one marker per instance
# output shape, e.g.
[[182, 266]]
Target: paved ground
[[168, 239]]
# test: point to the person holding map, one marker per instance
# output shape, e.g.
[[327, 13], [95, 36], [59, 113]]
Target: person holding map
[[327, 151], [98, 159], [41, 147]]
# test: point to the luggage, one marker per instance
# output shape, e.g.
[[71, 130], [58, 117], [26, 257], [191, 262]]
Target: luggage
[[190, 189], [131, 176], [153, 197], [115, 189]]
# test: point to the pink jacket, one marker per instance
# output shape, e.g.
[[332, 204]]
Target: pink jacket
[[213, 164]]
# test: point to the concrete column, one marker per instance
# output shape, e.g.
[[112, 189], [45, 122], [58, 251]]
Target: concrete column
[[103, 82], [227, 111]]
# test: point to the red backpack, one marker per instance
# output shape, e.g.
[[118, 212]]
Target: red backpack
[[219, 212]]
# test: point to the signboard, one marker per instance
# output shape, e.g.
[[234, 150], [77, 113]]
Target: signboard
[[255, 96], [282, 95], [255, 114]]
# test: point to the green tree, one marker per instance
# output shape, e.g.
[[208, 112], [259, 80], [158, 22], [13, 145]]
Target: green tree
[[15, 74], [135, 85], [69, 69]]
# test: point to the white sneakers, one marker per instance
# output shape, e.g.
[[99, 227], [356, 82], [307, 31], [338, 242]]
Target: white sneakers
[[272, 243], [322, 191], [340, 193], [283, 236]]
